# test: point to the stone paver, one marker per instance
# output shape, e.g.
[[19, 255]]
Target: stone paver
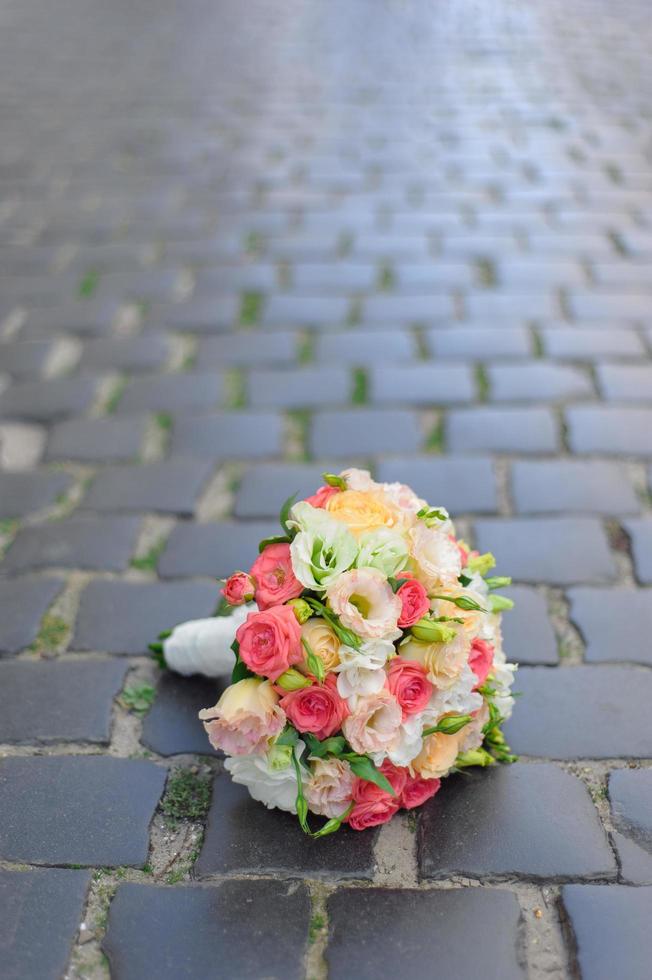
[[559, 550], [68, 701], [78, 542], [243, 836], [616, 623], [433, 927], [54, 899], [596, 712], [77, 809], [224, 273], [123, 617], [22, 605], [227, 930], [611, 929]]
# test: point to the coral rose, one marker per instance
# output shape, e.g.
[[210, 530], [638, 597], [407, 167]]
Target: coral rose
[[238, 589], [375, 723], [322, 496], [414, 600], [409, 684], [395, 775], [270, 641], [317, 709], [362, 510], [330, 790], [245, 718], [481, 659], [275, 580], [417, 790], [373, 805]]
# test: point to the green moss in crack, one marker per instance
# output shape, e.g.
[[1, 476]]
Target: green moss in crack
[[187, 796]]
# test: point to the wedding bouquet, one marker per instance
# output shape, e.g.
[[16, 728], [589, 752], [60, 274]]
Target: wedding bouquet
[[367, 663]]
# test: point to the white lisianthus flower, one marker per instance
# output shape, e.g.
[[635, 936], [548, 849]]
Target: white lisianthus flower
[[203, 646], [359, 480], [383, 549], [273, 786], [361, 671], [407, 746], [459, 699], [437, 556], [405, 499], [365, 603], [322, 549], [502, 678]]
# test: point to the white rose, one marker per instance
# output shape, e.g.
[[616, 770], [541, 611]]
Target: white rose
[[383, 549], [203, 646], [273, 787]]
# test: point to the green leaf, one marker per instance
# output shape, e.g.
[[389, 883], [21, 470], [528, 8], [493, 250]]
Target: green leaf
[[448, 726], [274, 539], [157, 655], [395, 583], [240, 670], [464, 580], [330, 746], [498, 581], [498, 603], [289, 736], [364, 768], [462, 602], [314, 663], [285, 513], [163, 635], [334, 481]]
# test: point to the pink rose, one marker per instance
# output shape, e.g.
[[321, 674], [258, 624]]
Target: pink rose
[[274, 576], [396, 776], [317, 709], [321, 498], [373, 806], [270, 641], [481, 659], [238, 589], [408, 682], [415, 601], [416, 791]]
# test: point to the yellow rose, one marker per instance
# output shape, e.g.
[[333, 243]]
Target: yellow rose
[[323, 642], [362, 510], [443, 661], [438, 754]]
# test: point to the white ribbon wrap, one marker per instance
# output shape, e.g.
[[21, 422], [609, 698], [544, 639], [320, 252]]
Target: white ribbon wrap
[[203, 646]]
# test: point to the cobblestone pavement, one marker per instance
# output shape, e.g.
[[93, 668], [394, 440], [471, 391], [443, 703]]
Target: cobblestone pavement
[[241, 242]]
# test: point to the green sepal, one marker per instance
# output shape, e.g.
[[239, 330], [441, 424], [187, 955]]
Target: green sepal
[[285, 513], [315, 665], [333, 480], [344, 635], [395, 583], [289, 736], [431, 514], [273, 539], [464, 580]]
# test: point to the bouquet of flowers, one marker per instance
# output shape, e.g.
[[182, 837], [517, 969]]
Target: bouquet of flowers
[[367, 663]]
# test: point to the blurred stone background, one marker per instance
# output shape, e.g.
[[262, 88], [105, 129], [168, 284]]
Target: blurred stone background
[[242, 241]]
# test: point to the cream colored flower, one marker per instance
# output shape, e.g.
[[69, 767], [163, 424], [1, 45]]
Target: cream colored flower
[[438, 754], [362, 510], [365, 603], [245, 718], [436, 556], [374, 725], [323, 642], [444, 662], [329, 790]]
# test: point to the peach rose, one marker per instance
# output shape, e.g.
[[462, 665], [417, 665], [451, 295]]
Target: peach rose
[[238, 589], [330, 790], [365, 603], [323, 642], [275, 580], [408, 682], [362, 510], [438, 754], [375, 723], [245, 718], [270, 641], [317, 709], [373, 805], [443, 662], [417, 790]]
